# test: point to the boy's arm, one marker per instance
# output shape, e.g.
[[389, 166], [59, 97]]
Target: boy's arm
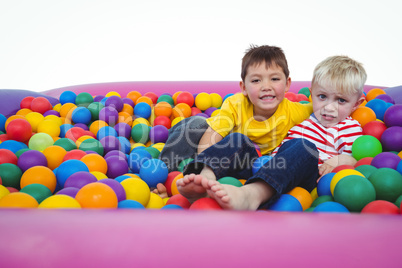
[[209, 138], [330, 164]]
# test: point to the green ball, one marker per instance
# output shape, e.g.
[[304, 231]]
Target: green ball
[[366, 146], [153, 151], [20, 152], [387, 183], [310, 209], [66, 143], [305, 91], [398, 201], [304, 102], [84, 99], [366, 170], [10, 174], [140, 133], [92, 145], [184, 163], [95, 108], [166, 98], [322, 199], [354, 192], [38, 191], [230, 181], [40, 141]]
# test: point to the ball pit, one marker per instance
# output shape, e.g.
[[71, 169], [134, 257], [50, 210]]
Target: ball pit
[[94, 98]]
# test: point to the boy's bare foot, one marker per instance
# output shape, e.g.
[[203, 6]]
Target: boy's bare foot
[[191, 188], [161, 190]]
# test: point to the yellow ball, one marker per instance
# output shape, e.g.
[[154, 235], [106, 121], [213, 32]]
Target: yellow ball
[[141, 120], [216, 100], [34, 119], [3, 191], [99, 175], [177, 120], [81, 139], [303, 196], [57, 107], [165, 200], [59, 201], [18, 200], [203, 101], [159, 146], [137, 189], [340, 175], [314, 193], [155, 202], [55, 118], [112, 93], [49, 127], [216, 112]]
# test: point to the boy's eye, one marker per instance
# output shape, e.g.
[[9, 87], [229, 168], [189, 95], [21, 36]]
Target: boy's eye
[[342, 101], [276, 79], [322, 97], [255, 80]]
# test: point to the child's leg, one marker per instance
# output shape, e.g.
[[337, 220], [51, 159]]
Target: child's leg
[[183, 140]]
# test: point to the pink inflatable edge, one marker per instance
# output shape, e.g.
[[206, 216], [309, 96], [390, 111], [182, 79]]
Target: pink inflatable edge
[[137, 238]]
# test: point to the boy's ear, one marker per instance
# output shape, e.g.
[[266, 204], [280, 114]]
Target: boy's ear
[[243, 88], [288, 83], [359, 102]]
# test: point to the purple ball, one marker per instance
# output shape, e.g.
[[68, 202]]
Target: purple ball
[[109, 114], [202, 115], [116, 153], [98, 98], [51, 112], [158, 134], [386, 160], [128, 101], [123, 130], [80, 179], [116, 166], [70, 191], [116, 102], [110, 143], [209, 111], [30, 159], [117, 188], [391, 139], [393, 116], [81, 125], [386, 98]]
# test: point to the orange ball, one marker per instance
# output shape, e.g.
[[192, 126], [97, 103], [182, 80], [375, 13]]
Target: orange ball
[[95, 162], [18, 200], [364, 115], [96, 195], [303, 196], [67, 109], [182, 110], [374, 93], [54, 155], [39, 174], [74, 154], [144, 99], [174, 97], [163, 108], [133, 95], [125, 118], [96, 125], [173, 187], [127, 108]]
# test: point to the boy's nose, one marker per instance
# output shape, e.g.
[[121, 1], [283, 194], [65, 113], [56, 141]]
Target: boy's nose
[[332, 106]]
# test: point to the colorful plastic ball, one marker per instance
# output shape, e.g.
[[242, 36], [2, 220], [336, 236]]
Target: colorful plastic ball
[[66, 143], [38, 191], [168, 183], [19, 130], [140, 133], [205, 203], [123, 130], [181, 110], [203, 101], [322, 199], [391, 139], [7, 156], [364, 115], [158, 134], [142, 110], [74, 154], [291, 96], [179, 200], [13, 146], [81, 115], [373, 93], [155, 202], [399, 167], [185, 97], [116, 102], [342, 167], [230, 181], [41, 175], [386, 98], [379, 107], [59, 201], [97, 195], [393, 116], [40, 105], [10, 175], [49, 127], [324, 184], [84, 99], [303, 196], [154, 171], [216, 100], [354, 192], [117, 188], [30, 159], [386, 160], [21, 151], [366, 146], [259, 162], [171, 206], [70, 191], [331, 207], [136, 189], [106, 131], [286, 202], [116, 166], [183, 164], [67, 97], [69, 167], [125, 145], [40, 141], [381, 207], [130, 204], [3, 191], [63, 129], [163, 121], [3, 120], [18, 200], [26, 102], [137, 158], [366, 170], [95, 162], [80, 179], [387, 183], [375, 129], [340, 175], [109, 115]]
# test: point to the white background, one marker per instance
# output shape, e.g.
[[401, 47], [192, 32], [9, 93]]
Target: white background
[[47, 44]]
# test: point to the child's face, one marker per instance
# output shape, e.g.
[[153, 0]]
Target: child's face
[[331, 107], [265, 88]]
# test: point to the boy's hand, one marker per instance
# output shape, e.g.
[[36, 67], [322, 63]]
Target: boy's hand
[[325, 168]]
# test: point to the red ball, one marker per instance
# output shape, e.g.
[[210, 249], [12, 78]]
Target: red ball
[[26, 102], [19, 130], [152, 96], [7, 156], [301, 97], [40, 105], [364, 161], [163, 120], [75, 133], [168, 183], [291, 96], [381, 207], [195, 111], [3, 137], [74, 154], [89, 133], [206, 203], [180, 200], [185, 97], [374, 128], [341, 167]]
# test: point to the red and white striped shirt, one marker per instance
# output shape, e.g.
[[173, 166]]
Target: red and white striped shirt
[[329, 141]]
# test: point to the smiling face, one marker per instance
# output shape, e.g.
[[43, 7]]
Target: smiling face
[[330, 106], [265, 87]]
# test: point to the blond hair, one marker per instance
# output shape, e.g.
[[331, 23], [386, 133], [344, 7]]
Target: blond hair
[[341, 72]]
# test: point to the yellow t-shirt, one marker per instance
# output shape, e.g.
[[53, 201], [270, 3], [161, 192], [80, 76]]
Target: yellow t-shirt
[[236, 115]]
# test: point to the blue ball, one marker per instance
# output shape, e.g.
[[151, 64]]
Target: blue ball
[[227, 96], [379, 107], [3, 120], [131, 204], [399, 167], [331, 206], [324, 184], [67, 168], [143, 110], [121, 178], [106, 131], [154, 171], [137, 158], [81, 115], [67, 97], [12, 145], [286, 202], [171, 206], [124, 144], [259, 162], [63, 129]]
